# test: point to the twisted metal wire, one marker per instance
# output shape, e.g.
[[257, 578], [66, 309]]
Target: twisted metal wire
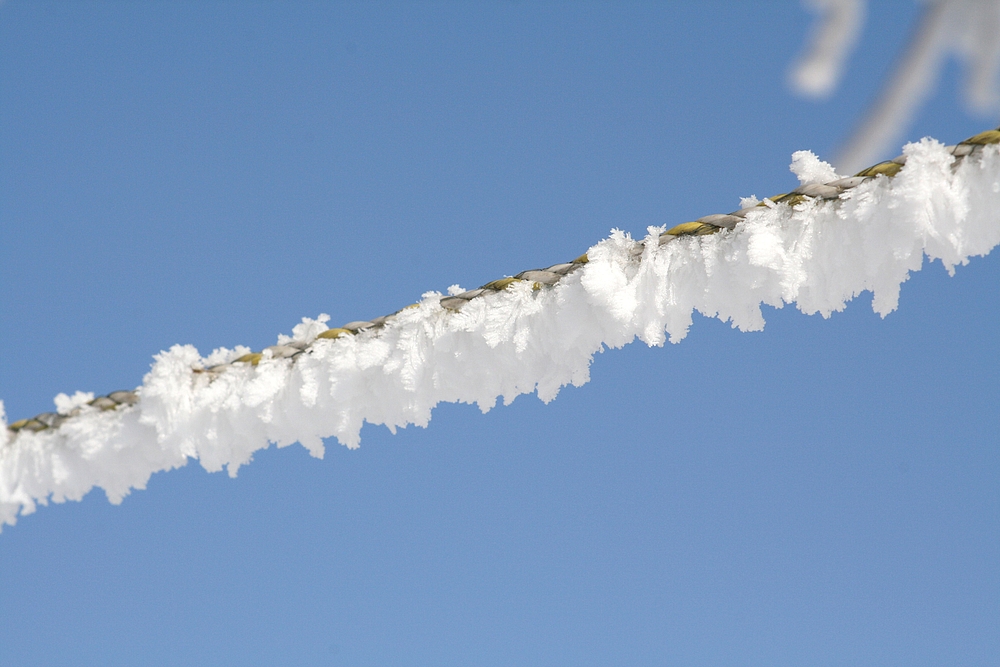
[[540, 278]]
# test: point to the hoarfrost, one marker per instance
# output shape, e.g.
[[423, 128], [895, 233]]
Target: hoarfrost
[[817, 255]]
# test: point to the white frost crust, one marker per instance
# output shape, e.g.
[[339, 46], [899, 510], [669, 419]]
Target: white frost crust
[[817, 255]]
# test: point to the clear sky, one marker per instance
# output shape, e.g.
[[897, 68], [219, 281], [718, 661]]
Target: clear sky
[[825, 492]]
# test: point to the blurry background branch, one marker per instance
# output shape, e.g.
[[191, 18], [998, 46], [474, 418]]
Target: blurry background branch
[[969, 29]]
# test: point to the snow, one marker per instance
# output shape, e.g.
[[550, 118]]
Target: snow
[[816, 255]]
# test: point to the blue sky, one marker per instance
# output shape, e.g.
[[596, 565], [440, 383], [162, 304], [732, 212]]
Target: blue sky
[[825, 492]]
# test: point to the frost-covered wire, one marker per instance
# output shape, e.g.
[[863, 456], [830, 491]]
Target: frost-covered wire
[[818, 247]]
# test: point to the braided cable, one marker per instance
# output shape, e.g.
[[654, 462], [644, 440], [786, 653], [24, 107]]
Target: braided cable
[[538, 278]]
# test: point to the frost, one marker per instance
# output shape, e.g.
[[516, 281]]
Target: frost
[[810, 169], [66, 404], [306, 331], [816, 255]]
